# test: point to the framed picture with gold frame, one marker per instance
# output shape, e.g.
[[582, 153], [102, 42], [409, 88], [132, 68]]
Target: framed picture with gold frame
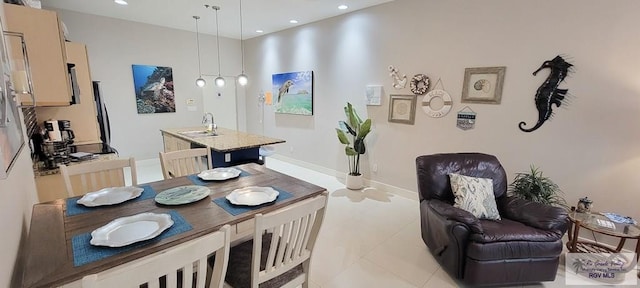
[[402, 109], [483, 85]]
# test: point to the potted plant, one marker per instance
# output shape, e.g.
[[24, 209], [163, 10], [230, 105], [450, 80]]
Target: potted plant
[[357, 130], [535, 187]]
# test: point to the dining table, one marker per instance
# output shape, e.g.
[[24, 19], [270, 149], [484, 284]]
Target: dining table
[[59, 253]]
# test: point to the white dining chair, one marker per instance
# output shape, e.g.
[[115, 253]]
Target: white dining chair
[[281, 249], [172, 266], [185, 162], [82, 178]]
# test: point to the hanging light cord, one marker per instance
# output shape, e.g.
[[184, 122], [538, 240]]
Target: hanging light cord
[[217, 38], [198, 43], [241, 43]]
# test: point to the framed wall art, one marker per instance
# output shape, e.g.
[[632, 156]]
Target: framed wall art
[[293, 93], [483, 85], [402, 109], [154, 89]]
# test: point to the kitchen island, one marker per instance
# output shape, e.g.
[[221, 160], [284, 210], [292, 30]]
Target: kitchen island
[[228, 147]]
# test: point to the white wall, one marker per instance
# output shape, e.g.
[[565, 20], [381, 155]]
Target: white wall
[[114, 45], [18, 195], [18, 192], [591, 148]]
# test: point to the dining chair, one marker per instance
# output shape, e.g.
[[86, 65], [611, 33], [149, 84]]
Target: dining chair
[[281, 249], [171, 266], [92, 176], [185, 162]]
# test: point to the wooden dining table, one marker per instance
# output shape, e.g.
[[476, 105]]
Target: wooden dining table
[[50, 250]]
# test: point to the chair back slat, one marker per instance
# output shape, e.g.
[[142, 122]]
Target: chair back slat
[[168, 263], [294, 230], [92, 176], [185, 162]]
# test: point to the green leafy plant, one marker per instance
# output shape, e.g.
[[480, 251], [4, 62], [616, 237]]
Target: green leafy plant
[[357, 130], [535, 187]]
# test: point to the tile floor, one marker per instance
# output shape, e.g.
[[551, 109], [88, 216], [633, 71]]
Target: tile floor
[[369, 239]]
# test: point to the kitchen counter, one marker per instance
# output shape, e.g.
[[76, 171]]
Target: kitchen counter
[[227, 140], [228, 147], [49, 182], [40, 170]]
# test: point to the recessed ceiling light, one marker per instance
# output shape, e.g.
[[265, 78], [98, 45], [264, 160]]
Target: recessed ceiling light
[[259, 31], [293, 21], [121, 2], [343, 7]]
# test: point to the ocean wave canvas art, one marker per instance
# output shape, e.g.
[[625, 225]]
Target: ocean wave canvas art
[[293, 93], [154, 89]]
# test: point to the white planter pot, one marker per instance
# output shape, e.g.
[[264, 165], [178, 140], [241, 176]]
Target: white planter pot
[[354, 182]]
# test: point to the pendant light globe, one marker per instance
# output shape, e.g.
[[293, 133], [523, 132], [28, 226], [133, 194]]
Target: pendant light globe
[[220, 81], [243, 79], [200, 82]]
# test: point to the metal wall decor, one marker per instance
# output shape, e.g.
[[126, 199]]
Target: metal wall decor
[[548, 93], [466, 119], [419, 84], [427, 102], [399, 82]]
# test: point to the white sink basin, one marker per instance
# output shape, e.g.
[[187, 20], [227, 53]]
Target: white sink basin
[[198, 133]]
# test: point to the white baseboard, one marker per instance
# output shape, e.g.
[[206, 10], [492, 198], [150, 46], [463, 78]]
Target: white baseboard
[[412, 195]]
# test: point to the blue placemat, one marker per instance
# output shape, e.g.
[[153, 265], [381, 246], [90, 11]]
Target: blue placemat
[[238, 209], [84, 252], [197, 181], [74, 208]]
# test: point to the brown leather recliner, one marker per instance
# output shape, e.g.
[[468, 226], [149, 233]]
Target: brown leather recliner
[[523, 247]]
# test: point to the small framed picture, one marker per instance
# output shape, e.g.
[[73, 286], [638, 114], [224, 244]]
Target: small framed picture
[[402, 109], [483, 85]]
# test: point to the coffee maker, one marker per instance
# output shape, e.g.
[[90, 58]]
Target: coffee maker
[[59, 130], [65, 131]]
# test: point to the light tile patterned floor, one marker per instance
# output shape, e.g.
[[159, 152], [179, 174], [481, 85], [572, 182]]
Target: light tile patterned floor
[[369, 238]]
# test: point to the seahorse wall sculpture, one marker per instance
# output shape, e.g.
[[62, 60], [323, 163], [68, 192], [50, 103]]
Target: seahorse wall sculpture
[[548, 93]]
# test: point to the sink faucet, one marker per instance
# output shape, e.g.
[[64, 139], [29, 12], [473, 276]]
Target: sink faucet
[[210, 123]]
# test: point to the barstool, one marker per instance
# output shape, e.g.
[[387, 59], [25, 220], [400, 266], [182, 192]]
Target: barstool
[[264, 152]]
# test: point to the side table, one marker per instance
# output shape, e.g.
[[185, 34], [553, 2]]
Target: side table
[[595, 222]]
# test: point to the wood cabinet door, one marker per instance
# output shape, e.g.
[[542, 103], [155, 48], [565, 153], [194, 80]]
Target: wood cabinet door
[[45, 48], [82, 115]]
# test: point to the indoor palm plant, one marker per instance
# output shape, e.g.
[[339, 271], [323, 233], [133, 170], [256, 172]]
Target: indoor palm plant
[[535, 187], [352, 133]]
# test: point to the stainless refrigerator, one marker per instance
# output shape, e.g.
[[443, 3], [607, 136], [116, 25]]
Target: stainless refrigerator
[[102, 114], [103, 125]]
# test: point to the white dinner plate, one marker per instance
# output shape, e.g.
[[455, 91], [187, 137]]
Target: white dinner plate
[[182, 195], [110, 196], [219, 174], [127, 230], [252, 195]]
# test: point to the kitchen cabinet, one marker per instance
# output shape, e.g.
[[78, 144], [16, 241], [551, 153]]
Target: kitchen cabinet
[[83, 114], [46, 50], [172, 143]]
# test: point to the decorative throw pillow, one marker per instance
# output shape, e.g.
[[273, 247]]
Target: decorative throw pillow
[[475, 195]]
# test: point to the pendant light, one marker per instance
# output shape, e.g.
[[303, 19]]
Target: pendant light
[[219, 80], [200, 81], [242, 78]]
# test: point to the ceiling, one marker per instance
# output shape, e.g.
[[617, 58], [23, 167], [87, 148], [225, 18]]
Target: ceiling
[[267, 15]]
